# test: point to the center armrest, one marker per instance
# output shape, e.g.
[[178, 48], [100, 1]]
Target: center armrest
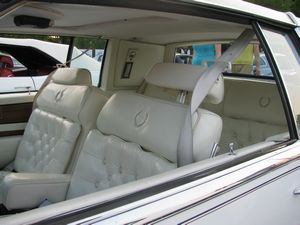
[[29, 190]]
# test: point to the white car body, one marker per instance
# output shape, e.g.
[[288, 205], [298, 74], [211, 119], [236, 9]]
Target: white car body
[[256, 183]]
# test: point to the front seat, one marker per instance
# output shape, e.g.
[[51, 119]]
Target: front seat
[[57, 122]]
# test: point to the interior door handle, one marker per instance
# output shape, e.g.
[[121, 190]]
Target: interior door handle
[[25, 87], [297, 191]]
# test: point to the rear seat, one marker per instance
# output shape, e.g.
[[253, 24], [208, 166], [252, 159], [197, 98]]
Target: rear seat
[[136, 137], [251, 112]]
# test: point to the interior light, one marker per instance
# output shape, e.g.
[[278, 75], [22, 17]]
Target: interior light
[[32, 21]]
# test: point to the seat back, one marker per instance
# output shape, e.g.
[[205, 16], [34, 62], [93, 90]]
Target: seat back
[[251, 111], [55, 125], [136, 137], [170, 80]]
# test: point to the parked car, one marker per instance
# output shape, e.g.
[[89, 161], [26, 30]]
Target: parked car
[[157, 142], [29, 73]]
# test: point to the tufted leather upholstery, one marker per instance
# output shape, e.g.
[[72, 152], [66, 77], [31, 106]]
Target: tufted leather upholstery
[[47, 143], [108, 161], [251, 112], [137, 137], [58, 122]]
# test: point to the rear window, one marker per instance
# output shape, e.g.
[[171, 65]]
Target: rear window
[[252, 60]]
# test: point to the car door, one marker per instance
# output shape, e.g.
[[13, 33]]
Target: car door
[[15, 109]]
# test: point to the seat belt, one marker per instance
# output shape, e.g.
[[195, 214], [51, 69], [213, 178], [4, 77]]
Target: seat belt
[[202, 87]]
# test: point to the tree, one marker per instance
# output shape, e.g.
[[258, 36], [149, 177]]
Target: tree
[[280, 5], [295, 8]]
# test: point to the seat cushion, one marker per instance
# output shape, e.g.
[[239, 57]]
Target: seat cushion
[[47, 143], [243, 133], [107, 161]]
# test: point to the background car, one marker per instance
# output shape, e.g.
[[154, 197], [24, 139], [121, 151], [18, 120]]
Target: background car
[[33, 60]]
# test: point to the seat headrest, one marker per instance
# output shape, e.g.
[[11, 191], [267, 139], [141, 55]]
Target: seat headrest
[[7, 61], [72, 76], [183, 77], [66, 94], [151, 123]]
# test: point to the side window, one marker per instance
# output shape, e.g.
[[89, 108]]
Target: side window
[[88, 53], [252, 60], [26, 60], [288, 61]]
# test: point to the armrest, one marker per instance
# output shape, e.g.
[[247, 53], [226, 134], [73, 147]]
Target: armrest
[[29, 190], [9, 146]]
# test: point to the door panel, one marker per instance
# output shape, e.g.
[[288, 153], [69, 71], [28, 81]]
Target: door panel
[[15, 110], [15, 113], [8, 149], [269, 199], [273, 203]]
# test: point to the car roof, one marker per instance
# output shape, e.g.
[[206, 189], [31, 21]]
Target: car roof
[[155, 21]]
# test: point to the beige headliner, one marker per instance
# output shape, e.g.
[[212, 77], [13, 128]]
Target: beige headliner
[[121, 23]]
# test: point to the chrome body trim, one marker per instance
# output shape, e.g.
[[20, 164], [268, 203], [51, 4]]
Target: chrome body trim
[[185, 196]]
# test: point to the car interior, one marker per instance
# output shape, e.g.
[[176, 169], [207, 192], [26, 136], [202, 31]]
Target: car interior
[[87, 145]]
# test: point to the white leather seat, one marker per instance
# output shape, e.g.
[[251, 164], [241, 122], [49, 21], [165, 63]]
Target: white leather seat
[[251, 113], [56, 123], [254, 105]]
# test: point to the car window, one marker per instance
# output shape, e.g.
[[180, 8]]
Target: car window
[[88, 53], [27, 60], [288, 62], [252, 60]]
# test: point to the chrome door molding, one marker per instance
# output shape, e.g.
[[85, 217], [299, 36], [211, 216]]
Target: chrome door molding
[[182, 198]]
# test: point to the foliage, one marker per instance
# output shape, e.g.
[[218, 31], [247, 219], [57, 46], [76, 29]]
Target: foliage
[[280, 5]]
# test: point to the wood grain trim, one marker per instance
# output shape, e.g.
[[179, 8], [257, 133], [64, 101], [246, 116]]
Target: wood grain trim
[[15, 113], [11, 133]]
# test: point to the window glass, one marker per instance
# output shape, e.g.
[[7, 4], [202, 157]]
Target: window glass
[[88, 53], [288, 62], [252, 60], [26, 60]]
